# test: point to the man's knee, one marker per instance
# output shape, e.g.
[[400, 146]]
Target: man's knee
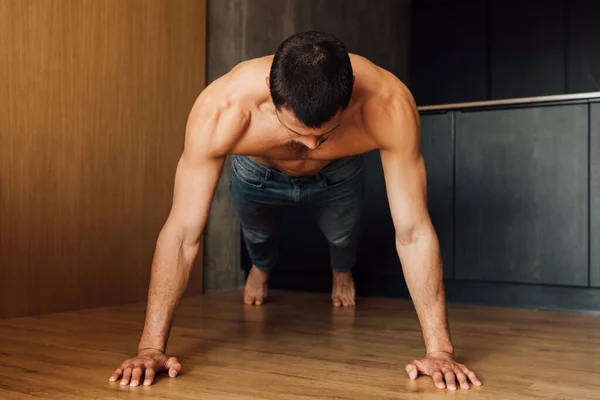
[[257, 235], [343, 238], [262, 246]]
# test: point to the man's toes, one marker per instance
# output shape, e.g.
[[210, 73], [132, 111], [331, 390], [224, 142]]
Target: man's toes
[[254, 299], [259, 300], [346, 301], [248, 299], [336, 301]]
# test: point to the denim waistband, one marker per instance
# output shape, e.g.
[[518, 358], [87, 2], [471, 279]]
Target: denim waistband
[[343, 165]]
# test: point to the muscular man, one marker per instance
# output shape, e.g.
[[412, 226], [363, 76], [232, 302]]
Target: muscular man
[[296, 125]]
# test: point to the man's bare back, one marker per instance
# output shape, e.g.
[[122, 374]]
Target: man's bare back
[[303, 112]]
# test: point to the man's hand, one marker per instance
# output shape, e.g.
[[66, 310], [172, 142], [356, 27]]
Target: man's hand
[[148, 363], [444, 370]]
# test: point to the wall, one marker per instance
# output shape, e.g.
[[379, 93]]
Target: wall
[[94, 99], [239, 30], [473, 50]]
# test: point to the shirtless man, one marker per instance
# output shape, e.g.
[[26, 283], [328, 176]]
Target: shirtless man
[[296, 125]]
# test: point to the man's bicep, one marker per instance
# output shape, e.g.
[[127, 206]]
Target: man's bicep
[[196, 181], [210, 133]]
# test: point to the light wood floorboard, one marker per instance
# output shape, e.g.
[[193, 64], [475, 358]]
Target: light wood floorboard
[[298, 347]]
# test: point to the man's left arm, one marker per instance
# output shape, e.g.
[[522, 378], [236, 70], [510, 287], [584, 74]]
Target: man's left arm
[[417, 242]]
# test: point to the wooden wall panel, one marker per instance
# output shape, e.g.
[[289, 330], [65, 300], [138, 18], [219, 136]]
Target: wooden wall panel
[[94, 97]]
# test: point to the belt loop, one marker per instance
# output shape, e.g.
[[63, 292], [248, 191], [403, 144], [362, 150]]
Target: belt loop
[[267, 174]]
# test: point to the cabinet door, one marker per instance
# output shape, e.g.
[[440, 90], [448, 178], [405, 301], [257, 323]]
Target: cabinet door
[[527, 48], [521, 195], [437, 147]]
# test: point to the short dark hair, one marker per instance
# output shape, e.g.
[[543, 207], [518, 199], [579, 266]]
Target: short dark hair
[[312, 76]]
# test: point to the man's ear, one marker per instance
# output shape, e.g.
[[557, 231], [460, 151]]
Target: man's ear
[[268, 82]]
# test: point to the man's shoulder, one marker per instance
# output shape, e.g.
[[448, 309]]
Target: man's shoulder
[[391, 104], [389, 112], [379, 87], [235, 94], [241, 89], [222, 111]]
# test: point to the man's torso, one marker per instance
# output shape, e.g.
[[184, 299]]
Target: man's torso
[[266, 140]]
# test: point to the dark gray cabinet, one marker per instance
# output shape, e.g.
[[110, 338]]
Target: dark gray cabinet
[[521, 195], [595, 194], [437, 148]]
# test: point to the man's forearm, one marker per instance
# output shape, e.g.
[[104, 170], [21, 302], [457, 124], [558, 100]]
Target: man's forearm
[[422, 267], [171, 268]]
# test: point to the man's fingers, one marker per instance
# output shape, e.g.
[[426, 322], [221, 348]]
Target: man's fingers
[[472, 377], [126, 376], [438, 379], [412, 371], [136, 376], [450, 380], [150, 373], [116, 375], [462, 379], [174, 367]]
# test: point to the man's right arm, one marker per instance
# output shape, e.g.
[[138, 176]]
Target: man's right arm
[[209, 136], [178, 243]]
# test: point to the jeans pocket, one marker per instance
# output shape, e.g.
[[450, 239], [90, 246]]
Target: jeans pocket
[[344, 175], [249, 176]]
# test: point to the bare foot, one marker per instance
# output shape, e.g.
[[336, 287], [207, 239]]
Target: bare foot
[[255, 291], [343, 293]]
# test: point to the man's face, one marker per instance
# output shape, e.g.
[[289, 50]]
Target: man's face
[[307, 138]]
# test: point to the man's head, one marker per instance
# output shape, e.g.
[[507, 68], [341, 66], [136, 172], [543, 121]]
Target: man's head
[[311, 80]]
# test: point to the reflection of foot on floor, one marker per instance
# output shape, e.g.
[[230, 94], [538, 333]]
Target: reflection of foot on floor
[[343, 293], [255, 292]]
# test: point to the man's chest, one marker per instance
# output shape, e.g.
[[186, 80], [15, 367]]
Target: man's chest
[[277, 144]]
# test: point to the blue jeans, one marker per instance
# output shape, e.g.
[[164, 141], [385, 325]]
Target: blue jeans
[[335, 195]]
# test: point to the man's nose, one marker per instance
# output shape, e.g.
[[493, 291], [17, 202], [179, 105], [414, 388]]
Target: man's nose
[[311, 142]]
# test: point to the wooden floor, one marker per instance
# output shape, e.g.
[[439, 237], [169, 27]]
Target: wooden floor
[[299, 347]]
